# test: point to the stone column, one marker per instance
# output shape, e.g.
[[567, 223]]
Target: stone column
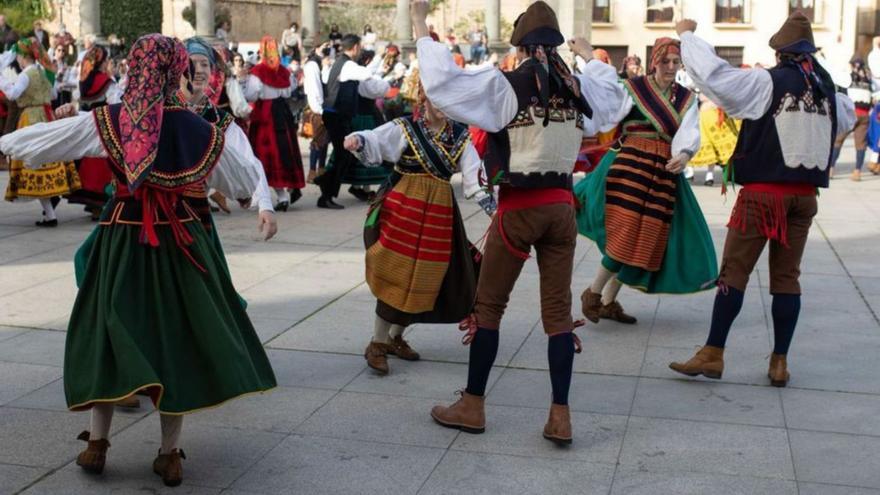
[[90, 18], [493, 28], [403, 25], [575, 19], [205, 18], [309, 23]]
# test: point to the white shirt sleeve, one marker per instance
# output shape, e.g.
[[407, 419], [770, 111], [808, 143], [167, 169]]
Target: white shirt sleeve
[[240, 175], [480, 97], [62, 140], [373, 88], [237, 102], [384, 143], [6, 59], [607, 97], [14, 90], [313, 87], [874, 62], [471, 167], [742, 93], [687, 137], [846, 113], [114, 94], [252, 88], [352, 71]]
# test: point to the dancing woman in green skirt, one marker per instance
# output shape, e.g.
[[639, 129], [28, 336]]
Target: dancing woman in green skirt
[[156, 312]]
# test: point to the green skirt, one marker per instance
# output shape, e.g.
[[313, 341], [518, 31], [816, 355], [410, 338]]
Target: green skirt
[[81, 257], [689, 263], [360, 174], [147, 319]]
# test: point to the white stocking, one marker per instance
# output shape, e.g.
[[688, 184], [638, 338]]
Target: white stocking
[[602, 278], [102, 416], [48, 210], [283, 194], [396, 331], [610, 292], [380, 330], [171, 427]]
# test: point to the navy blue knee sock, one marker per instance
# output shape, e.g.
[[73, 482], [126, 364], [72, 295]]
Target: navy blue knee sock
[[560, 356], [785, 310], [860, 159], [835, 154], [726, 309], [483, 350]]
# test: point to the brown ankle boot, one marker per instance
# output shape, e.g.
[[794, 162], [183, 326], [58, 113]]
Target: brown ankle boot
[[400, 348], [591, 305], [614, 311], [169, 467], [708, 361], [558, 427], [467, 414], [93, 458], [778, 372], [376, 355]]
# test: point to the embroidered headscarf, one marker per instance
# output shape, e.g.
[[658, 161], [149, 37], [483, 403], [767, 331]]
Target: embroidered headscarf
[[156, 64], [269, 52], [662, 48], [198, 46], [92, 80], [29, 47]]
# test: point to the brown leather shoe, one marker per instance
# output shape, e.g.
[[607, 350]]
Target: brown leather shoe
[[376, 355], [856, 175], [93, 458], [311, 178], [467, 414], [708, 361], [558, 427], [169, 467], [400, 348], [778, 372], [874, 168], [614, 311], [130, 402], [591, 305]]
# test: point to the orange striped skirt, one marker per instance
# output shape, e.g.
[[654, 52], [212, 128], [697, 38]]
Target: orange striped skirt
[[639, 203], [406, 267]]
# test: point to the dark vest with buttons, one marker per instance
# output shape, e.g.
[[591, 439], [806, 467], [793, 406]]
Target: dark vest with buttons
[[759, 154]]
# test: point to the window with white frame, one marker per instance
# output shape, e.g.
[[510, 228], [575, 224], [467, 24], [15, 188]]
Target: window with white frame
[[602, 11], [813, 9], [732, 12], [661, 11]]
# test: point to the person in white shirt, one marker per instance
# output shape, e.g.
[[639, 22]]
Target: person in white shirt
[[791, 114], [345, 84], [313, 86], [291, 42]]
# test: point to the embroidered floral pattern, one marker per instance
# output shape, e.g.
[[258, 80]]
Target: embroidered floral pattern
[[156, 64]]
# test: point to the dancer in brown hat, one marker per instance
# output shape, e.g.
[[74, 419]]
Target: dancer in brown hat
[[534, 119], [791, 116]]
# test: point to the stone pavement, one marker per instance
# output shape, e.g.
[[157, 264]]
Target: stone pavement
[[334, 427]]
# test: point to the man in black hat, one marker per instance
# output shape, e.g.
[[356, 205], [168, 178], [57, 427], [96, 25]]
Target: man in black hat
[[534, 117], [791, 114]]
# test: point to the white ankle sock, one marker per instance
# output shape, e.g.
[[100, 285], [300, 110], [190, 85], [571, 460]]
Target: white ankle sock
[[171, 427], [283, 194], [396, 331], [610, 292], [381, 328], [102, 416], [602, 278], [48, 210]]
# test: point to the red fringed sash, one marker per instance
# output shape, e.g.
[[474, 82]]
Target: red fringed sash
[[764, 204]]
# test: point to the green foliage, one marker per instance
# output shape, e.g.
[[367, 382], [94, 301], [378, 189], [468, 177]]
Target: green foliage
[[21, 14], [131, 19], [352, 16]]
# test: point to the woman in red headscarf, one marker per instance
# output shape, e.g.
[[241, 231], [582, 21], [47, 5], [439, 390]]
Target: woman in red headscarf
[[96, 89], [637, 206], [156, 312], [273, 129]]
